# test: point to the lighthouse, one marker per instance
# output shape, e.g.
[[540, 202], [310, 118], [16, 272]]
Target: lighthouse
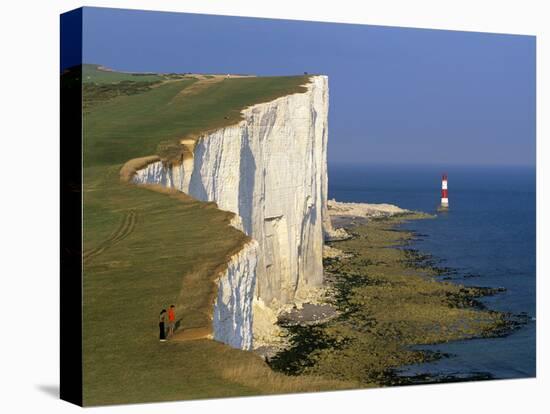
[[444, 193]]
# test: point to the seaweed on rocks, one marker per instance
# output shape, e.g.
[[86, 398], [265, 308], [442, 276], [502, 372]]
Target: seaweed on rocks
[[389, 298], [304, 340]]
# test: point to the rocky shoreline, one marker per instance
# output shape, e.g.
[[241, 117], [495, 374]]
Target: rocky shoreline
[[381, 300]]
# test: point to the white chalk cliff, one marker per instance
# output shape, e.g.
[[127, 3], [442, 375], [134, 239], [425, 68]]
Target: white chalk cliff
[[232, 318], [270, 170]]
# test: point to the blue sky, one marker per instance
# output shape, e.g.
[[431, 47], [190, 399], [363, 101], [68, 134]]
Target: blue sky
[[397, 95]]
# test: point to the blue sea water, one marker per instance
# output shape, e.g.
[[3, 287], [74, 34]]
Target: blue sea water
[[488, 236]]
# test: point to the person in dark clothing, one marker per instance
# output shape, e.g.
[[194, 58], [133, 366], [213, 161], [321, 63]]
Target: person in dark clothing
[[162, 330]]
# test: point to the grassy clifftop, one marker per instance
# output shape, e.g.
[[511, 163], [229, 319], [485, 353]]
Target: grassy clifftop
[[153, 122], [101, 75], [144, 249]]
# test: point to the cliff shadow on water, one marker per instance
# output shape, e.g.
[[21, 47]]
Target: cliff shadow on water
[[389, 301]]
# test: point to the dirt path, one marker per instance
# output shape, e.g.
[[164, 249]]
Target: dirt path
[[191, 334], [203, 82], [126, 227]]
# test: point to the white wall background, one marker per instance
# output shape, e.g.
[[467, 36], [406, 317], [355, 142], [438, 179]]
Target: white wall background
[[29, 236]]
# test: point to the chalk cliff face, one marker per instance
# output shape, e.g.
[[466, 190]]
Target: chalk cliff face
[[232, 318], [270, 170]]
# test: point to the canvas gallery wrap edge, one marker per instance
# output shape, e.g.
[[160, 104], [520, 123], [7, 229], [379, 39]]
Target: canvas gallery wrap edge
[[255, 206]]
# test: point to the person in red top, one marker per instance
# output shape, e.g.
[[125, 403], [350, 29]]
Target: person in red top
[[171, 320]]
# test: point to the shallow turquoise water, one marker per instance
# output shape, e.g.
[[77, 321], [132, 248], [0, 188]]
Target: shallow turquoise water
[[488, 237]]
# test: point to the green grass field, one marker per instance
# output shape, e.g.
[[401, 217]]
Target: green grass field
[[95, 74], [145, 250]]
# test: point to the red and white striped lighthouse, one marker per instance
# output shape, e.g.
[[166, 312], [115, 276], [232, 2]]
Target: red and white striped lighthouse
[[444, 192]]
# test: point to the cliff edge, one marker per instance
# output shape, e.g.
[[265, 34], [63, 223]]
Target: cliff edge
[[270, 170]]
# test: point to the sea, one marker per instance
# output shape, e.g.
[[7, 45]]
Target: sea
[[486, 238]]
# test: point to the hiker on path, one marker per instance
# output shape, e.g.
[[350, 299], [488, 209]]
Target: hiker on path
[[162, 319], [171, 320]]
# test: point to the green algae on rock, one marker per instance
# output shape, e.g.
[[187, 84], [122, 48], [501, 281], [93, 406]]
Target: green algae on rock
[[387, 303]]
